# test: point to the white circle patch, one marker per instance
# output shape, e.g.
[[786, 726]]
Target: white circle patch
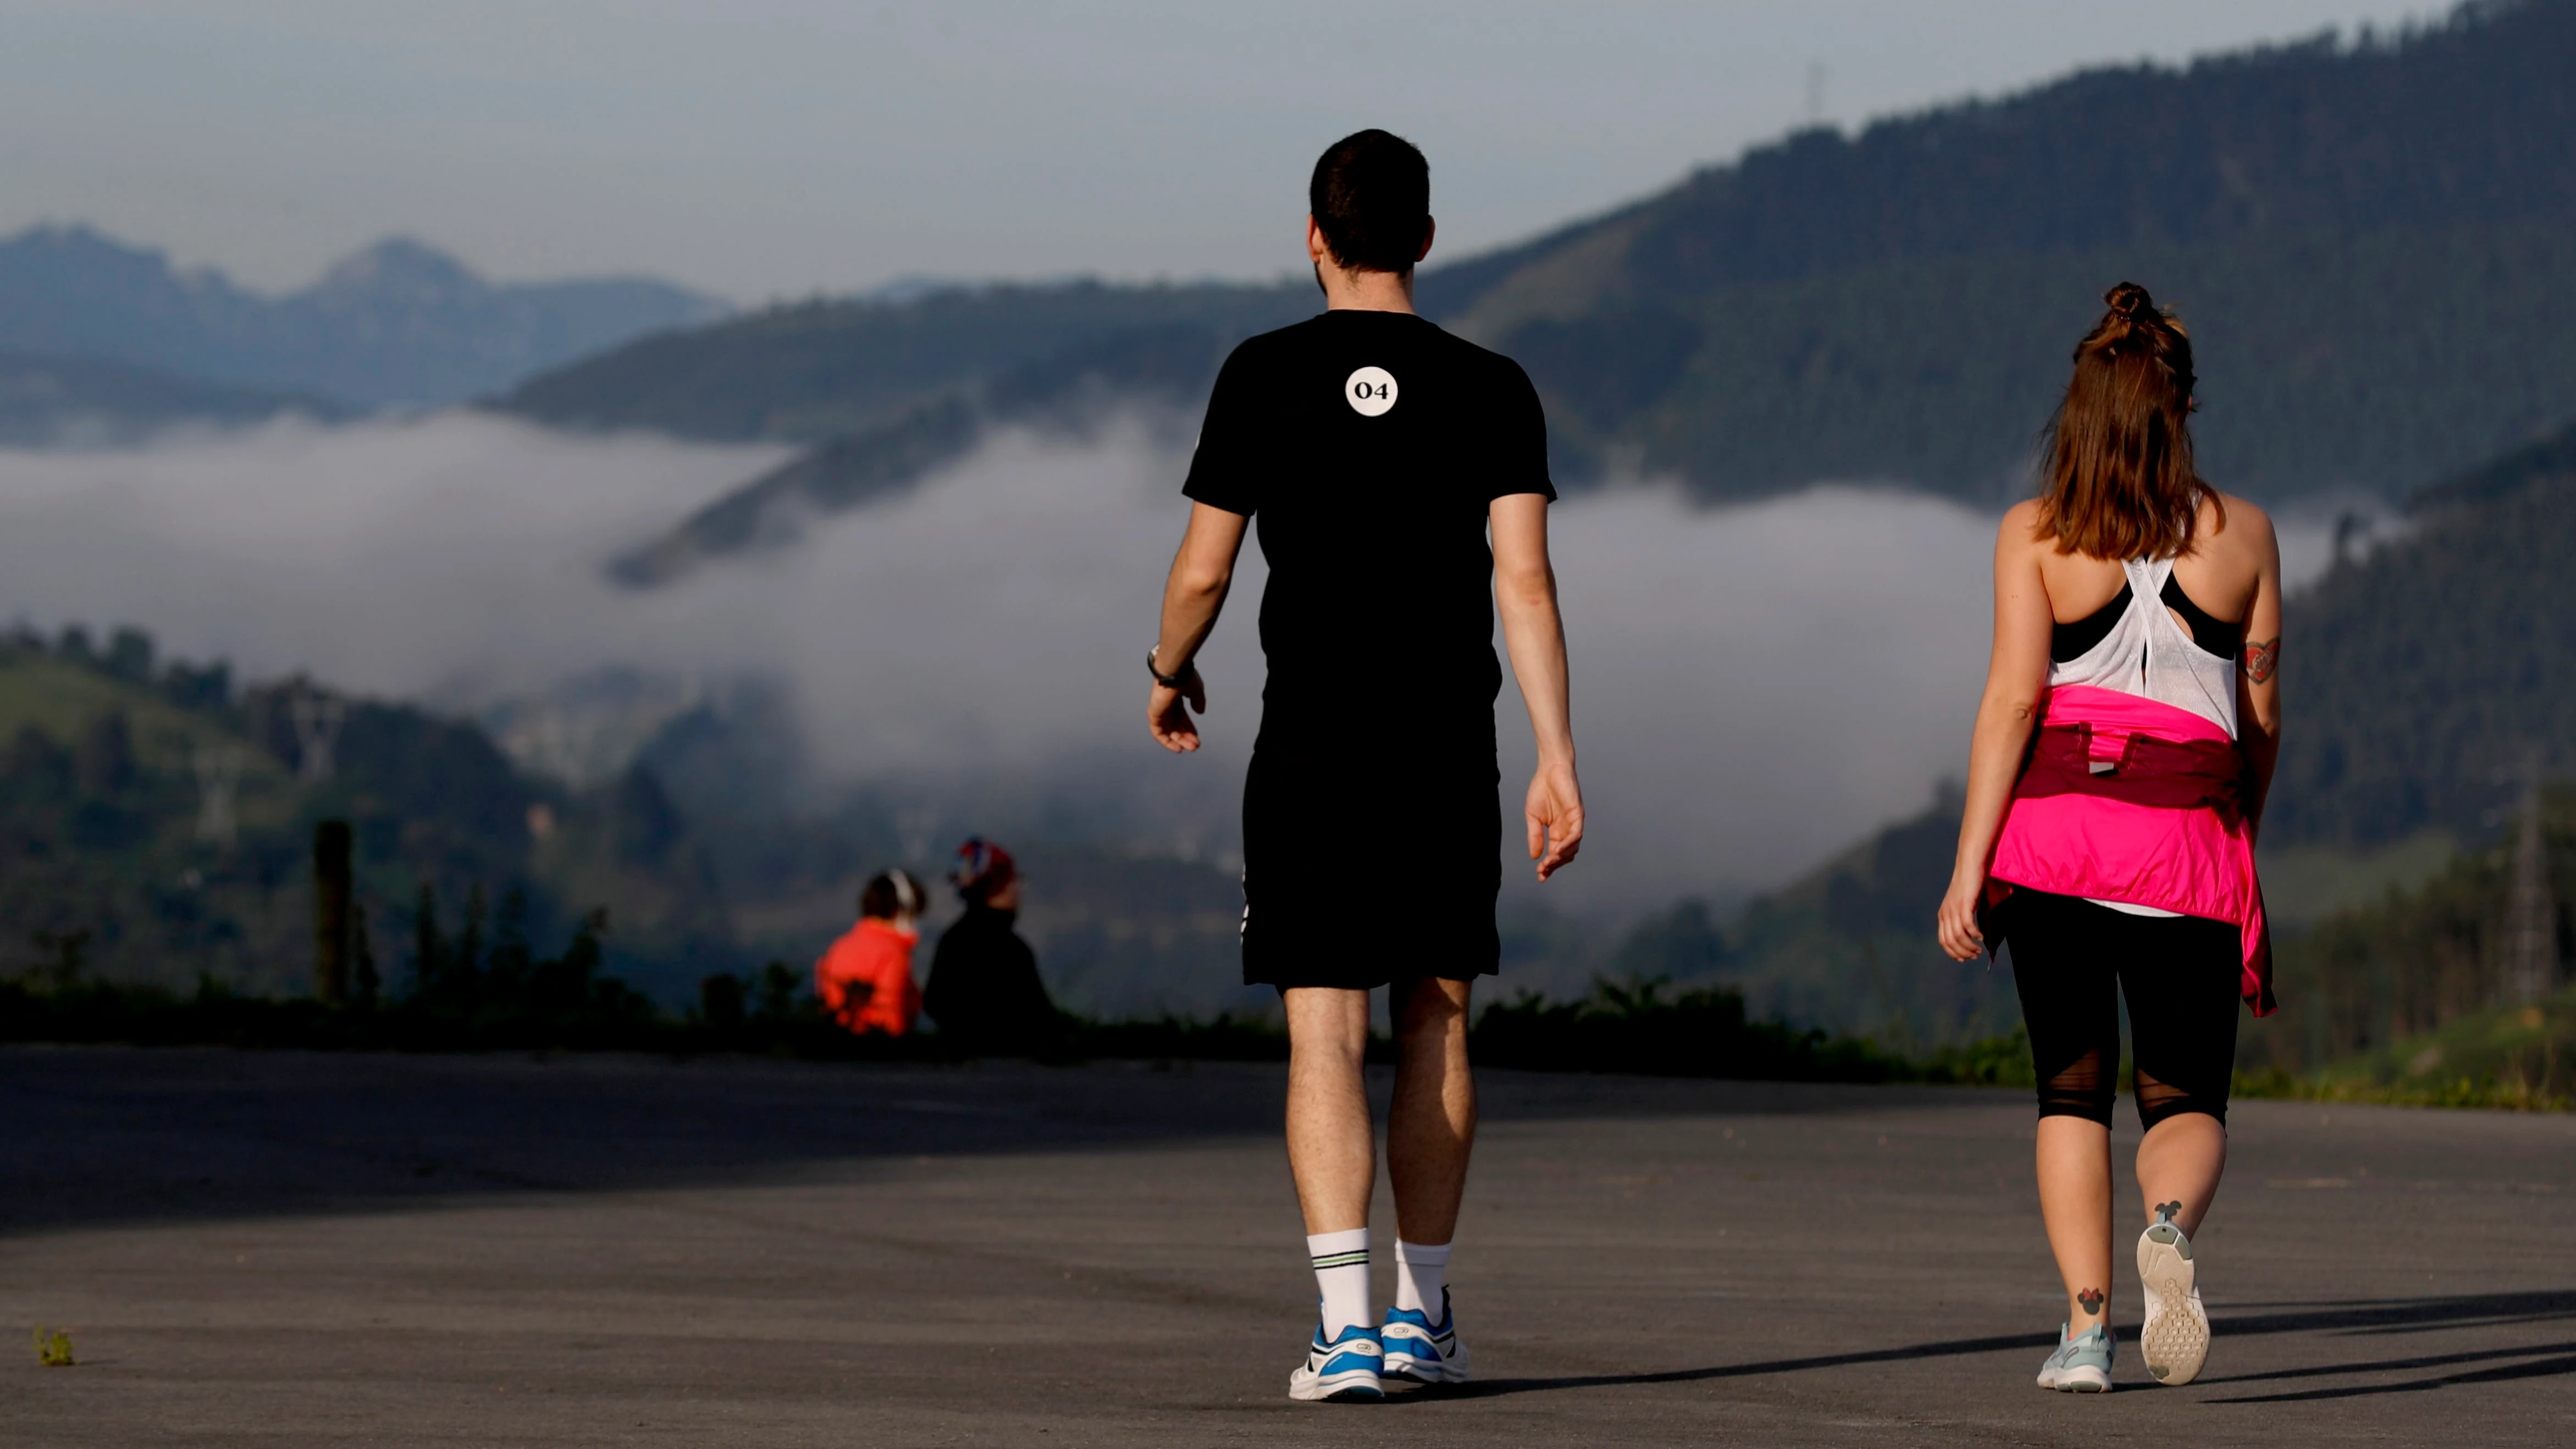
[[1370, 391]]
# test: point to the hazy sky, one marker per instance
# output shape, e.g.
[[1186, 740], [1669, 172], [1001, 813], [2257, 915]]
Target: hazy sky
[[775, 147]]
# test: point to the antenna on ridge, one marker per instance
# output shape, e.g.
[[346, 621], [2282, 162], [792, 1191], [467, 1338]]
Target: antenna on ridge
[[317, 718], [2530, 933], [218, 770]]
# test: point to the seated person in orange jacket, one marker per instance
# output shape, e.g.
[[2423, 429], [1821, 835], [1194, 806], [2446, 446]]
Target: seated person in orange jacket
[[865, 980]]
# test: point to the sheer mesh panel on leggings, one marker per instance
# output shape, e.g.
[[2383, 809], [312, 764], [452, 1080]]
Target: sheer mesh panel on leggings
[[2159, 1100], [2072, 960], [2081, 1088]]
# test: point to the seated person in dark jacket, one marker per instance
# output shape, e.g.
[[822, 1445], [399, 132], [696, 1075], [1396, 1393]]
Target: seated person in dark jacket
[[984, 989]]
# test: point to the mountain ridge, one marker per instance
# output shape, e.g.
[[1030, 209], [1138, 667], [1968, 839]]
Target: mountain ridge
[[395, 323], [2375, 241], [53, 401]]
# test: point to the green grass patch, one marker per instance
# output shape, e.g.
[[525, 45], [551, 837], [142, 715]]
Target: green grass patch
[[2304, 884], [2519, 1058]]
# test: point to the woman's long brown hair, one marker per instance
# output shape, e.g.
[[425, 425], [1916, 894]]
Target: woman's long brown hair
[[2119, 481]]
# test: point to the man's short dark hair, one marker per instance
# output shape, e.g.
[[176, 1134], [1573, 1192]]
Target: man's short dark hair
[[1372, 197]]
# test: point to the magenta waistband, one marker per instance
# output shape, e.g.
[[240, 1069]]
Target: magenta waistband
[[2127, 799]]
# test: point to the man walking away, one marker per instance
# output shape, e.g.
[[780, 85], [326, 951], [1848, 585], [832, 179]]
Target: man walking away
[[984, 990], [1376, 451], [865, 980]]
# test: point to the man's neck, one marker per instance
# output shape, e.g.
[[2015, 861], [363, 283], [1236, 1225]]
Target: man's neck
[[1365, 291]]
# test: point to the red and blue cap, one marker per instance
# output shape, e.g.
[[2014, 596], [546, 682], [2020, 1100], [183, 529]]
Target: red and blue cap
[[981, 869]]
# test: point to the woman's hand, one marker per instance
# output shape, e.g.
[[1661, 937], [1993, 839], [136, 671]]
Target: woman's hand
[[1554, 812], [1958, 920]]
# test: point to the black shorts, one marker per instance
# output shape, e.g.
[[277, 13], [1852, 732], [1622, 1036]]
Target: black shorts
[[2072, 961], [1362, 871]]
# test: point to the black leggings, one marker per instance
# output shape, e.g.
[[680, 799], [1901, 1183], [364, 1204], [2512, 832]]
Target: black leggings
[[2180, 974]]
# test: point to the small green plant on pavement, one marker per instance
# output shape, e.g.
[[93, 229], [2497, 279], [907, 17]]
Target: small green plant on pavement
[[53, 1347]]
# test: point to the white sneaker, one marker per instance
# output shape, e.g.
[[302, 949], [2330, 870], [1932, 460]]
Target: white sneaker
[[1420, 1351], [2082, 1363], [1341, 1370], [2175, 1338]]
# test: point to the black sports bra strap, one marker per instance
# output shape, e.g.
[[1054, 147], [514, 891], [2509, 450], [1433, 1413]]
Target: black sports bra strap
[[2070, 642], [2213, 634]]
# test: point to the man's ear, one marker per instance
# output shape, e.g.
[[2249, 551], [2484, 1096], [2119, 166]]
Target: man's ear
[[1318, 249], [1429, 226]]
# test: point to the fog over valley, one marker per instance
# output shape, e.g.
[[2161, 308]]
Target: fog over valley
[[1755, 686]]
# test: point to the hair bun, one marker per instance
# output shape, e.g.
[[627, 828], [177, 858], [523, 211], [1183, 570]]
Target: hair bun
[[2130, 303]]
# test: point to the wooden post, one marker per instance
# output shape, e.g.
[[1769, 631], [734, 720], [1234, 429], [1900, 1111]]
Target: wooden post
[[2531, 917], [331, 913]]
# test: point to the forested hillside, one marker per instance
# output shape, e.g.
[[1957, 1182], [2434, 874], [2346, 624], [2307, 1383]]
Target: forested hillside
[[2327, 362], [2431, 678], [2422, 958], [49, 400], [823, 370], [1068, 394], [156, 824], [2374, 240]]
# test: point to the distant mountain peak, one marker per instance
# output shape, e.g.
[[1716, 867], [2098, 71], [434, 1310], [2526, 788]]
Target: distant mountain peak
[[400, 268], [74, 236], [397, 322]]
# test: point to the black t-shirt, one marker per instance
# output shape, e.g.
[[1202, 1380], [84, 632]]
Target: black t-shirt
[[1368, 448]]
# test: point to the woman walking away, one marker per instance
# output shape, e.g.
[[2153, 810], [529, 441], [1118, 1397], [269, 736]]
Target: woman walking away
[[865, 980], [2137, 635]]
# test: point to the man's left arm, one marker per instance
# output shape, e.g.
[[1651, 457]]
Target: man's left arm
[[1534, 635]]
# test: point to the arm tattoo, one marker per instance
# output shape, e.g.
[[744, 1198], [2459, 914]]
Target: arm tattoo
[[2262, 660]]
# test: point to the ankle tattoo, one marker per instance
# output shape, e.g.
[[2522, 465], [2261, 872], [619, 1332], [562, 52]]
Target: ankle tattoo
[[2090, 1300]]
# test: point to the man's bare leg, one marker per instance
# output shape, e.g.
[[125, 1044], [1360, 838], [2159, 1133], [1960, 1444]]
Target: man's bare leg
[[1331, 1151], [1432, 1127], [1430, 1132]]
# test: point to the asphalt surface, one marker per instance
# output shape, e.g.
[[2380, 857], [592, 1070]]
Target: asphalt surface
[[281, 1249]]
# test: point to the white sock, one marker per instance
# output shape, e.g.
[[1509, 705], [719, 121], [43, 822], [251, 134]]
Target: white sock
[[1419, 1271], [1342, 1279]]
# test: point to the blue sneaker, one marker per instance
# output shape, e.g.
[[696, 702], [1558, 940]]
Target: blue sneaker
[[1342, 1371], [2082, 1364], [1419, 1351]]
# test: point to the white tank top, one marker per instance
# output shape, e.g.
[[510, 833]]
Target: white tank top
[[2149, 655]]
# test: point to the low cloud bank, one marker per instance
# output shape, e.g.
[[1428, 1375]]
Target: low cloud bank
[[1757, 685]]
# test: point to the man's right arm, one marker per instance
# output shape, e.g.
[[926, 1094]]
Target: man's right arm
[[1193, 595]]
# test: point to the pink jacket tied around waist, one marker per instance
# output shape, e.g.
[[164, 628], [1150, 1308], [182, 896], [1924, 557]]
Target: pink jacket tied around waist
[[2128, 799]]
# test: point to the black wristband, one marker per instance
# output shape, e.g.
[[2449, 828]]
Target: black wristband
[[1169, 681]]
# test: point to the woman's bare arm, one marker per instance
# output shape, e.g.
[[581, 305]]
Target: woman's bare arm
[[2016, 678], [1193, 595], [1534, 633], [2258, 671]]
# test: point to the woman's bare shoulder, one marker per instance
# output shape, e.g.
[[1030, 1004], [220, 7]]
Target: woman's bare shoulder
[[2245, 528], [2019, 529]]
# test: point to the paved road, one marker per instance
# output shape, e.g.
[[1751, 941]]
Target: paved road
[[277, 1249]]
